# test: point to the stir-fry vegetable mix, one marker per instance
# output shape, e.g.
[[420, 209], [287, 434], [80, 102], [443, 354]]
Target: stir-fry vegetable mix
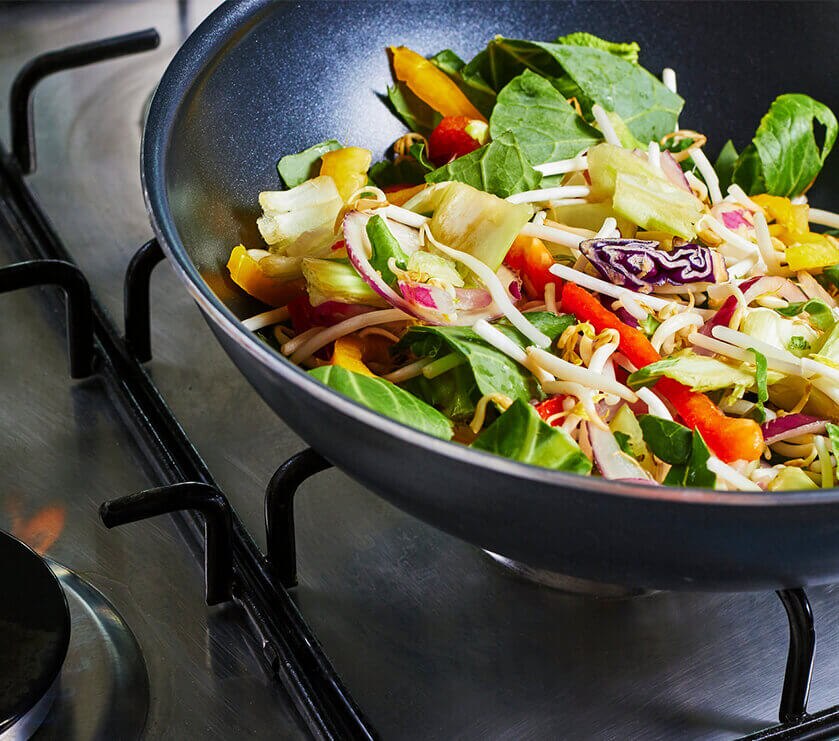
[[549, 268]]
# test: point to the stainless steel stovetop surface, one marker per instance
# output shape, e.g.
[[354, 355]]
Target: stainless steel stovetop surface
[[432, 638]]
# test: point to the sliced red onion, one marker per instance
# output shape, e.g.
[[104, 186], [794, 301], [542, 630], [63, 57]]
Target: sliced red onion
[[673, 171], [793, 425], [427, 296], [641, 266], [732, 215], [771, 284], [626, 317], [472, 299], [354, 226], [612, 462], [734, 219], [721, 318]]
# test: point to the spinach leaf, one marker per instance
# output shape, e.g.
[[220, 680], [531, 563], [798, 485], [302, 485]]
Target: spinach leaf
[[668, 440], [383, 247], [405, 171], [675, 444], [645, 104], [499, 167], [819, 313], [493, 371], [521, 434], [624, 443], [546, 127], [386, 398], [627, 51], [453, 393], [760, 383], [298, 168], [695, 471], [419, 154], [417, 115], [472, 85], [829, 277], [648, 108], [784, 156], [724, 165]]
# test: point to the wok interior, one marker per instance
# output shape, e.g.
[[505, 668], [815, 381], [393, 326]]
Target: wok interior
[[299, 75]]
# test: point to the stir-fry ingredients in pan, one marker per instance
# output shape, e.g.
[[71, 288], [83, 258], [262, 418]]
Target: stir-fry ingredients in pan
[[548, 267]]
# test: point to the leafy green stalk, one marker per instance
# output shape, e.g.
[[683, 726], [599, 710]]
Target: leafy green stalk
[[760, 383], [298, 168], [384, 247]]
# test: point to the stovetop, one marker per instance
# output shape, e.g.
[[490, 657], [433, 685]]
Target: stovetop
[[431, 637]]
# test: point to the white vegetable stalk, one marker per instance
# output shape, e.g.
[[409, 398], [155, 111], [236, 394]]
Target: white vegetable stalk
[[608, 229], [552, 234], [671, 326], [708, 173], [504, 344], [407, 372], [655, 405], [404, 216], [605, 125], [654, 155], [730, 476], [668, 77], [578, 374], [330, 334], [824, 218], [561, 167], [266, 319], [548, 194]]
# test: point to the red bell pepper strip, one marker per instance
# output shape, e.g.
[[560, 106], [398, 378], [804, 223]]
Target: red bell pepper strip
[[730, 439], [547, 408], [529, 257]]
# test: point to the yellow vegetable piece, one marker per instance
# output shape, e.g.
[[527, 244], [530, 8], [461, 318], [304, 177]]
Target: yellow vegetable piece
[[812, 251], [247, 274], [401, 197], [348, 168], [793, 218], [348, 352], [431, 85]]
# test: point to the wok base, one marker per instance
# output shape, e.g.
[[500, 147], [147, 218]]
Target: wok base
[[567, 584]]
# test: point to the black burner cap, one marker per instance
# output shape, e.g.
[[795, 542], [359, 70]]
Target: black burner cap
[[34, 630]]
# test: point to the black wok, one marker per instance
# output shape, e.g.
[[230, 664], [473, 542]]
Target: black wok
[[259, 79]]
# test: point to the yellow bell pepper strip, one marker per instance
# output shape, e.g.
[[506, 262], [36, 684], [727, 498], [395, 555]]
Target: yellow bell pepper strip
[[792, 217], [730, 438], [812, 251], [348, 168], [348, 352], [246, 273], [399, 195], [431, 85]]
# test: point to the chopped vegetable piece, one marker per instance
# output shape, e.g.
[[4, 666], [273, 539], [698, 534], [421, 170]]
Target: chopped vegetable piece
[[451, 140], [348, 168], [246, 273]]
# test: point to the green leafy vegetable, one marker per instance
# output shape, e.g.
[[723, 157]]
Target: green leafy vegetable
[[798, 345], [493, 371], [784, 156], [724, 166], [521, 434], [624, 443], [684, 450], [546, 127], [417, 115], [760, 383], [829, 277], [384, 247], [383, 397], [791, 479], [401, 171], [499, 167], [472, 85], [819, 314], [418, 152], [833, 434], [298, 168], [649, 325], [669, 441], [453, 393], [627, 51]]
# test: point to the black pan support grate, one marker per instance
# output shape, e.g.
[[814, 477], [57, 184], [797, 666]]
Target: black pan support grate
[[234, 568]]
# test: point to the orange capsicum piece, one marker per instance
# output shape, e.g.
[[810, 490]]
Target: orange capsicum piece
[[431, 85], [348, 352], [730, 438], [246, 273], [529, 257]]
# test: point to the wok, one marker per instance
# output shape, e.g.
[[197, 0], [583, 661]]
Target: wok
[[259, 79]]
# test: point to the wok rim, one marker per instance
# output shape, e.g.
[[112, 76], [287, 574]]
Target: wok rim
[[193, 59]]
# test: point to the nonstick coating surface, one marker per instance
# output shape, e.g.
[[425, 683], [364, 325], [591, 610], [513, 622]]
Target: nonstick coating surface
[[260, 79]]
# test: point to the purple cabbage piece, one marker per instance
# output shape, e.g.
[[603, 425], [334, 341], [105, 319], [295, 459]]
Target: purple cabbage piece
[[641, 266]]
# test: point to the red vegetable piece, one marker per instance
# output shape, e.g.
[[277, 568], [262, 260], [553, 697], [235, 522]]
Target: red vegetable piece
[[450, 140], [546, 409]]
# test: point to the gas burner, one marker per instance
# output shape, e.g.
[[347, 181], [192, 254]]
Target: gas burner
[[567, 584], [71, 667], [104, 689], [34, 634]]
